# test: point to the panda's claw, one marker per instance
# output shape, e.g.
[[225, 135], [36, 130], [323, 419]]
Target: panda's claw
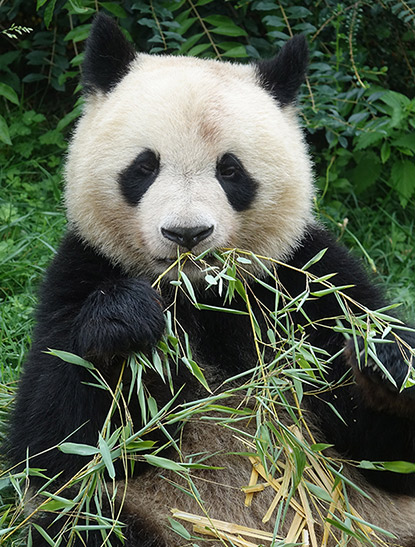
[[390, 355]]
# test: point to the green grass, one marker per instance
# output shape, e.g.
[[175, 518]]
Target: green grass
[[31, 224]]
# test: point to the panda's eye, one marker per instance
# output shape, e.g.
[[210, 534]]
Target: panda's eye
[[229, 167], [147, 163], [228, 171], [238, 184]]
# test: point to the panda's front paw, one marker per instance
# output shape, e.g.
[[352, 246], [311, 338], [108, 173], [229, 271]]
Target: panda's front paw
[[394, 370], [119, 318]]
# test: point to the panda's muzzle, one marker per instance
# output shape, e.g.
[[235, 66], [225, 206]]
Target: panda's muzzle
[[187, 237]]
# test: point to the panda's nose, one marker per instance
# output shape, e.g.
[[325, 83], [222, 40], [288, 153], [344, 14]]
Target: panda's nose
[[187, 237]]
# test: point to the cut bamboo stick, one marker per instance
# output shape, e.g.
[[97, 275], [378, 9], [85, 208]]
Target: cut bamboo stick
[[221, 525], [297, 525], [308, 515], [235, 540], [252, 482], [253, 489], [282, 492]]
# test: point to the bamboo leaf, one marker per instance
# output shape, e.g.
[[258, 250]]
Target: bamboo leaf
[[319, 492], [196, 371], [188, 286], [179, 529], [315, 259], [78, 449], [164, 463], [223, 310], [106, 456], [45, 535], [71, 358]]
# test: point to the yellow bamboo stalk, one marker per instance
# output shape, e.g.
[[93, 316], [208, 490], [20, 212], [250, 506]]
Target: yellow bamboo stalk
[[253, 489], [324, 475], [327, 525], [296, 528], [317, 480], [256, 463], [252, 482], [275, 483], [221, 525], [308, 515], [235, 540], [282, 492]]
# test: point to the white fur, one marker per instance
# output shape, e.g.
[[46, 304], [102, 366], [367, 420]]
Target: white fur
[[191, 112]]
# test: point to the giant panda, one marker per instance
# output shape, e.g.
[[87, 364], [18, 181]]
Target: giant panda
[[176, 154]]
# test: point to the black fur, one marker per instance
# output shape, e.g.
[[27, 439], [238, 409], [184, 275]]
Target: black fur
[[108, 56], [240, 188], [137, 178], [283, 74], [117, 319]]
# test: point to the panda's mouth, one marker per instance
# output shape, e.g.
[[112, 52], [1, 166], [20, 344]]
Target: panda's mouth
[[166, 260], [186, 263], [164, 263]]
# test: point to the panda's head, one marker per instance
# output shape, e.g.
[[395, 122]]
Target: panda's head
[[182, 153]]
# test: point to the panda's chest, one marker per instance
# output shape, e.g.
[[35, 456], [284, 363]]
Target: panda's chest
[[221, 343]]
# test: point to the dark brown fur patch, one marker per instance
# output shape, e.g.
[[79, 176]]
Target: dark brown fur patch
[[376, 395]]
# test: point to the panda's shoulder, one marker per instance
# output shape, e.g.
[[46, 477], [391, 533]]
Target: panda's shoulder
[[335, 258], [320, 244], [75, 268]]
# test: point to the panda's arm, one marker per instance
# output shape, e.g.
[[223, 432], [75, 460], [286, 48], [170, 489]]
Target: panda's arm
[[89, 308], [348, 272], [109, 313], [103, 313]]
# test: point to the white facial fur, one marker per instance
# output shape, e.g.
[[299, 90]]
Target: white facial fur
[[191, 112]]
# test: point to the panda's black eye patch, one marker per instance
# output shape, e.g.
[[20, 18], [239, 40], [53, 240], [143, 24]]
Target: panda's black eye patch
[[137, 178], [240, 188]]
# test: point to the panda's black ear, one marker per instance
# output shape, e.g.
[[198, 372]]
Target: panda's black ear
[[283, 75], [108, 56]]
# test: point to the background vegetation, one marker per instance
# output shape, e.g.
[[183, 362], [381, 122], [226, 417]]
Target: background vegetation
[[358, 112]]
